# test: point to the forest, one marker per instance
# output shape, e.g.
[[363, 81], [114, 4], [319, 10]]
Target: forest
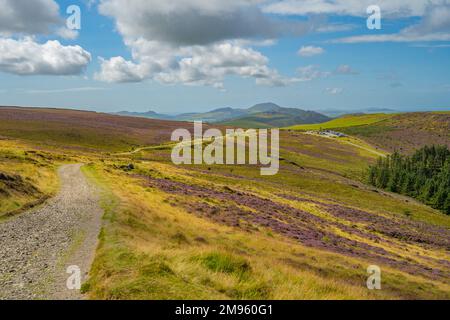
[[425, 175]]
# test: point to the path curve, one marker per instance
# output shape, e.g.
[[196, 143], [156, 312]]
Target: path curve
[[38, 246]]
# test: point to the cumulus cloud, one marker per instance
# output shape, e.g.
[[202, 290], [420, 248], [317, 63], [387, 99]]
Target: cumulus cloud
[[310, 51], [117, 69], [20, 22], [27, 57], [195, 22], [198, 65], [29, 17], [195, 42], [434, 26], [35, 17]]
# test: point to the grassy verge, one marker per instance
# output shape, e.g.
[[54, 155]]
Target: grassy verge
[[152, 248], [27, 177]]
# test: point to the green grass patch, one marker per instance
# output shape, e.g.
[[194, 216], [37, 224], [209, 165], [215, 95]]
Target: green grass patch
[[345, 121], [226, 263]]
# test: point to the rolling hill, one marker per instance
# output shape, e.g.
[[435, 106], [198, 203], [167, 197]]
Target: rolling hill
[[83, 129], [226, 232], [405, 132], [270, 115], [260, 115]]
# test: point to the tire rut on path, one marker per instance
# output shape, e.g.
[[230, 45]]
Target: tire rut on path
[[37, 247]]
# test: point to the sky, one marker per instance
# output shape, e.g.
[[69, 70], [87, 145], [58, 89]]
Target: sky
[[182, 56]]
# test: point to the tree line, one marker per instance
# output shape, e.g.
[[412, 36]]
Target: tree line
[[425, 175]]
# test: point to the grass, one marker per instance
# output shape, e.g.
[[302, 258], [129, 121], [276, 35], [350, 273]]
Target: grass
[[151, 248], [145, 262], [176, 242], [226, 263], [405, 132], [344, 122], [29, 177], [57, 134]]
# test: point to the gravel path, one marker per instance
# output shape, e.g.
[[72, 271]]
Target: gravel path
[[38, 246]]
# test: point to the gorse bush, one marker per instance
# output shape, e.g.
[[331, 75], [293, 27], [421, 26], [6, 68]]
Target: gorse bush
[[425, 175]]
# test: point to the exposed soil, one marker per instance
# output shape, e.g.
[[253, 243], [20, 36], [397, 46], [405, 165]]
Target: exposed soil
[[38, 246]]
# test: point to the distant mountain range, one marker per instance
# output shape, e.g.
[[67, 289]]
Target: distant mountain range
[[262, 115], [148, 114]]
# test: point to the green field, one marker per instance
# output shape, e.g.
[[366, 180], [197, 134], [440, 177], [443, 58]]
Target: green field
[[345, 121]]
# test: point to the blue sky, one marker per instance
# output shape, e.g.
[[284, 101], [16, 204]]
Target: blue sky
[[203, 54]]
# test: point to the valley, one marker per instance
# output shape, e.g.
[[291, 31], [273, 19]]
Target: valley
[[226, 232]]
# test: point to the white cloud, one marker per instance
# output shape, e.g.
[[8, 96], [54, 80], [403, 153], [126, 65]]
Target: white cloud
[[90, 3], [195, 42], [310, 51], [26, 57], [345, 69], [24, 17], [195, 22], [434, 26], [397, 37], [334, 91], [67, 33], [311, 72], [117, 69], [28, 17], [194, 65], [390, 8]]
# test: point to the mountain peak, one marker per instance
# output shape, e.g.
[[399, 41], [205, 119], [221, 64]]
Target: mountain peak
[[264, 107]]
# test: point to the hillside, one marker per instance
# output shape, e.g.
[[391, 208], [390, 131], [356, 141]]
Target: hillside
[[226, 232], [344, 121], [260, 115], [84, 130], [274, 120], [406, 132]]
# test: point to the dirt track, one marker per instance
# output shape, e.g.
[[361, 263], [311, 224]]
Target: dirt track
[[37, 247]]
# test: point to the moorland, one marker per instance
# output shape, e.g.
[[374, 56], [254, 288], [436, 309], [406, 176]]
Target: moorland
[[226, 232]]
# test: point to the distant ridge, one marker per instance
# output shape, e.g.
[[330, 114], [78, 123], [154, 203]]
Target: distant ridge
[[260, 115], [148, 114]]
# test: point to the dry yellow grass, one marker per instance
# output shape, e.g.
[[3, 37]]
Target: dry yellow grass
[[152, 249]]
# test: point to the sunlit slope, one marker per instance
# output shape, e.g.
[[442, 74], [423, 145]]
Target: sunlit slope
[[84, 130], [226, 232], [406, 132], [345, 121]]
